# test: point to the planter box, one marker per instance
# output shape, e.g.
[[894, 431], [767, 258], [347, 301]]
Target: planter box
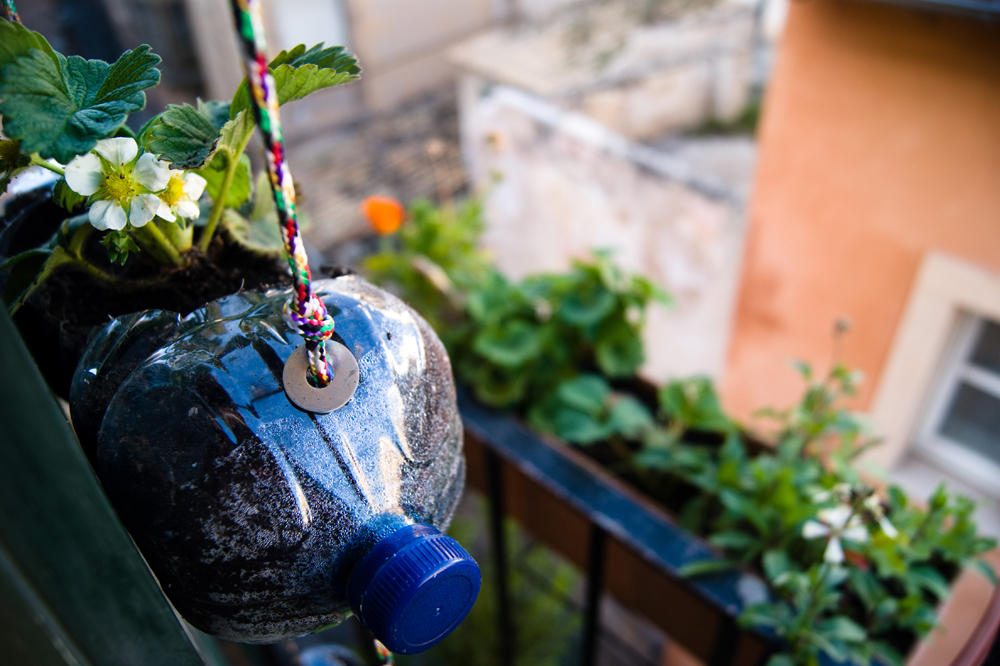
[[630, 547]]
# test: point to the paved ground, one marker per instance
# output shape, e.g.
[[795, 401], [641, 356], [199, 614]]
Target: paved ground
[[413, 152]]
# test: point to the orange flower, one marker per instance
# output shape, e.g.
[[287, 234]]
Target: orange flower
[[384, 214]]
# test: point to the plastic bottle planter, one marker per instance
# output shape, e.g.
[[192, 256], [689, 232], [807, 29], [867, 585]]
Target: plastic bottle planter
[[262, 521]]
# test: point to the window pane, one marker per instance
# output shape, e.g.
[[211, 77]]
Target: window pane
[[987, 352], [974, 420]]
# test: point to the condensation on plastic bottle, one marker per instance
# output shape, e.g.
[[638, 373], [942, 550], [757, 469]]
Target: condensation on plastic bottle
[[262, 521]]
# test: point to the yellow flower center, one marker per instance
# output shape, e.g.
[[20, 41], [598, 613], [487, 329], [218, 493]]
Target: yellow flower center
[[119, 186], [173, 192]]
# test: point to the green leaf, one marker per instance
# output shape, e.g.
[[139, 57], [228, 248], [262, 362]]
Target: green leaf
[[16, 41], [780, 660], [66, 197], [744, 507], [705, 567], [629, 417], [261, 233], [119, 245], [930, 580], [586, 393], [732, 540], [618, 350], [694, 403], [579, 428], [776, 564], [887, 653], [215, 172], [299, 72], [24, 269], [986, 570], [587, 308], [27, 271], [185, 135], [12, 161], [61, 107], [843, 629], [510, 343]]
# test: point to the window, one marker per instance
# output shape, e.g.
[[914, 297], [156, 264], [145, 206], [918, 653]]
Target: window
[[961, 431]]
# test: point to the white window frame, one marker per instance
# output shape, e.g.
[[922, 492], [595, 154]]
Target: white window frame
[[939, 450]]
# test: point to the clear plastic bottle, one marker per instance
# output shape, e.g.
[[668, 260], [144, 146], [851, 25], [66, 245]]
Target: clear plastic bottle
[[260, 520]]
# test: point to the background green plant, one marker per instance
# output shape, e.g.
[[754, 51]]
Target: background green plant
[[560, 348]]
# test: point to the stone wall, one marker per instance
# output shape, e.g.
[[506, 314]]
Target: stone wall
[[559, 184]]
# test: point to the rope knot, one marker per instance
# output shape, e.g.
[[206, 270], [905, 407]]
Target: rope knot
[[309, 319]]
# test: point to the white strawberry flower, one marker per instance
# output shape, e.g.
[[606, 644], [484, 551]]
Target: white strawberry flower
[[877, 512], [837, 523], [180, 197], [120, 182]]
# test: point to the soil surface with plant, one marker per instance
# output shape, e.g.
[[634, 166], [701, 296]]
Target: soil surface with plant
[[164, 216]]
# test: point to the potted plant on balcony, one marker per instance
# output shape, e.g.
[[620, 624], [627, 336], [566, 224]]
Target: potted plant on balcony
[[855, 575], [167, 215]]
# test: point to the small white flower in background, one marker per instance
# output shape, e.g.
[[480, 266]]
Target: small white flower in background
[[877, 511], [122, 183], [180, 197], [836, 523]]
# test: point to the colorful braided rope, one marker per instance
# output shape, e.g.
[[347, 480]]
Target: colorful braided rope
[[12, 11], [304, 313], [384, 656]]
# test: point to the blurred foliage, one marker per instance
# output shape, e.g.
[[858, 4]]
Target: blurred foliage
[[514, 343], [854, 574]]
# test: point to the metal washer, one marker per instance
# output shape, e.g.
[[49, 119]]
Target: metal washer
[[334, 395]]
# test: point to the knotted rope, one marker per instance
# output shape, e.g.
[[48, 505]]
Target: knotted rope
[[304, 313], [12, 11]]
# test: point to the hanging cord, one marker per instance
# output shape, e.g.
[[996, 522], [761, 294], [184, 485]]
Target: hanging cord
[[304, 313], [12, 11], [384, 656]]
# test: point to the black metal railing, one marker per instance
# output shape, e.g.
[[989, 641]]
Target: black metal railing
[[625, 545]]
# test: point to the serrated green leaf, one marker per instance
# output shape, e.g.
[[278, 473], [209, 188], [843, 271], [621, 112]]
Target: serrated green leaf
[[587, 308], [585, 393], [261, 232], [16, 41], [185, 135], [579, 428], [510, 344], [215, 172], [235, 133], [299, 72], [60, 108], [695, 404], [65, 197], [618, 350], [629, 417]]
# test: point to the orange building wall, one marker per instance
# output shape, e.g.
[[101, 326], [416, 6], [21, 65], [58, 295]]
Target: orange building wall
[[880, 140]]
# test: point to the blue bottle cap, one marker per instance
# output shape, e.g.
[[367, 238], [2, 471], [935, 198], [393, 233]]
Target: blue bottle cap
[[413, 588]]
